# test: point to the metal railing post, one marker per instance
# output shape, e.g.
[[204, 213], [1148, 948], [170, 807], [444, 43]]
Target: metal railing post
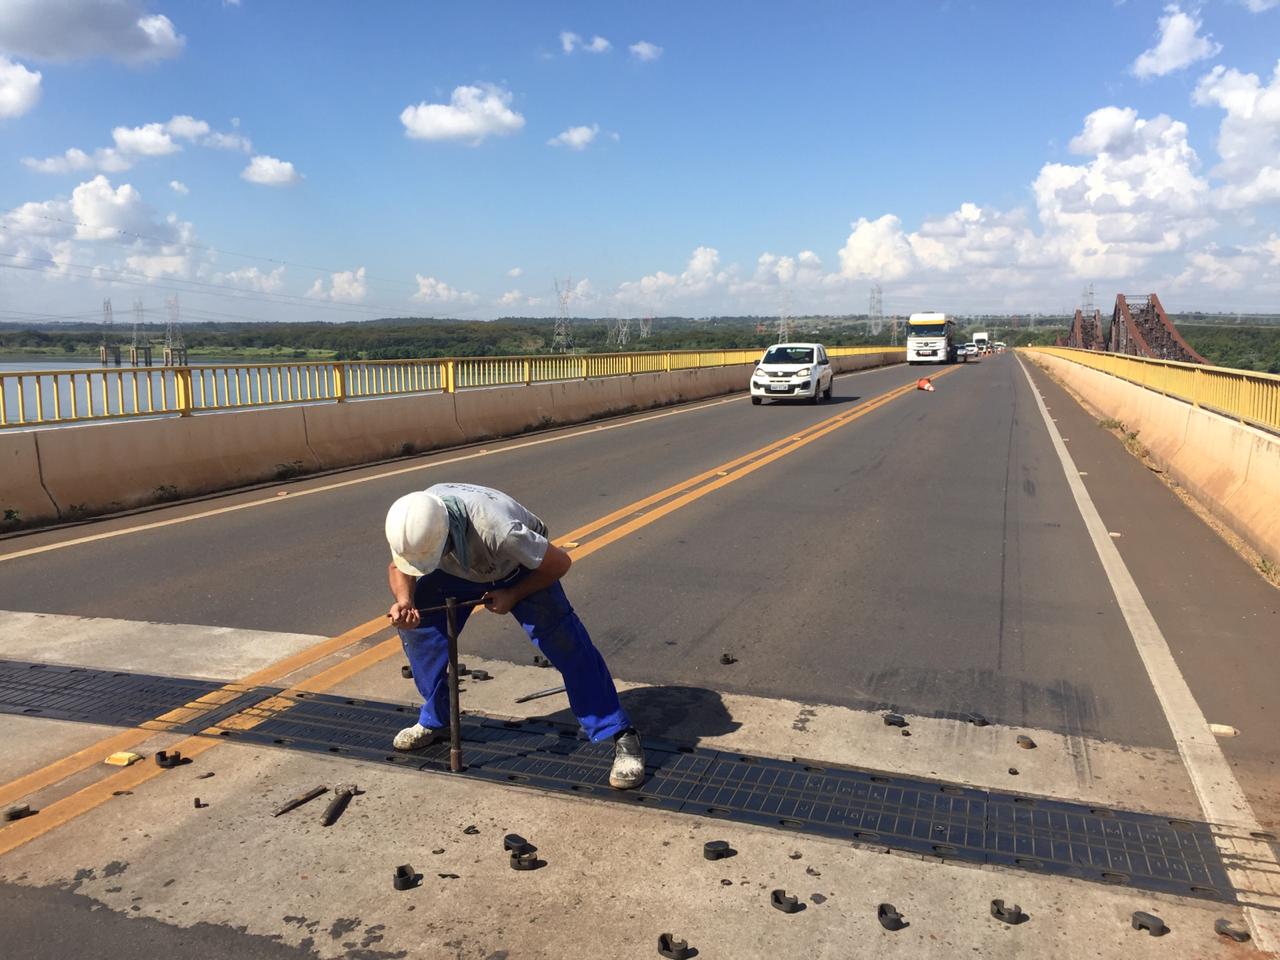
[[183, 393], [528, 372], [450, 376], [339, 382], [585, 374]]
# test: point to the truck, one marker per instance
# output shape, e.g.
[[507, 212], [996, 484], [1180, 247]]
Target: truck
[[983, 340], [931, 338]]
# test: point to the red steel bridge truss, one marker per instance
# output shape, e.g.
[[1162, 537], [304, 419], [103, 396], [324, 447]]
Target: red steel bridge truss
[[1139, 328]]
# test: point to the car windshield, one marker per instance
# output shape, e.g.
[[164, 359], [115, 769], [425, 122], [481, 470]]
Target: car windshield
[[927, 330], [788, 355]]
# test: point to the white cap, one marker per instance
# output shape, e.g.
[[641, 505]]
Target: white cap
[[417, 529]]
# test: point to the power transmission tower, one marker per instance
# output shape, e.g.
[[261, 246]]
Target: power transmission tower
[[562, 339], [646, 327], [139, 353], [108, 351], [620, 332], [875, 312], [784, 319], [175, 351], [1086, 301]]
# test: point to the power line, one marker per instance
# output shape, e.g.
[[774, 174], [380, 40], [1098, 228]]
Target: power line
[[191, 246], [138, 278]]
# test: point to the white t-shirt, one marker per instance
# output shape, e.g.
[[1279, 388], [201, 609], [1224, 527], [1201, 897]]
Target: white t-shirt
[[502, 535]]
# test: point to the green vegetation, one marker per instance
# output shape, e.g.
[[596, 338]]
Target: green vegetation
[[404, 338], [1227, 342], [1246, 348]]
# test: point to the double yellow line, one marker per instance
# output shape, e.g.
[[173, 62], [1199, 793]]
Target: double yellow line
[[585, 540]]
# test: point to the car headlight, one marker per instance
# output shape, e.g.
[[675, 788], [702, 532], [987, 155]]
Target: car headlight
[[804, 372], [760, 374]]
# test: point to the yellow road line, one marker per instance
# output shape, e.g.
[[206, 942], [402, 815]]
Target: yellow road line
[[294, 494], [82, 801], [127, 739], [325, 488], [721, 476], [86, 799]]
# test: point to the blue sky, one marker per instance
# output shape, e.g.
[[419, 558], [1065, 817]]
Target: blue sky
[[274, 160]]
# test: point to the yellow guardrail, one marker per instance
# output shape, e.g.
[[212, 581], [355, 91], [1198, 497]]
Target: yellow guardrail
[[1244, 395], [40, 397]]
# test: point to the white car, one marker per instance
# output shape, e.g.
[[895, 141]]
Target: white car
[[789, 370]]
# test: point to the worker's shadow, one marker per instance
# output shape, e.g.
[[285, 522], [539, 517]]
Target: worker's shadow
[[682, 714]]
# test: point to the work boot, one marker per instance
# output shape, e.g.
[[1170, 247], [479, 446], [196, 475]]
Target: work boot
[[628, 761], [413, 738]]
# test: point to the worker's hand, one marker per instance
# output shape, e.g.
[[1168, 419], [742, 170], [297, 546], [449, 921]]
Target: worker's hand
[[500, 601], [404, 615]]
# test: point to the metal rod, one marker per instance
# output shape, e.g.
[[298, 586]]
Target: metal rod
[[539, 694], [300, 800], [455, 721]]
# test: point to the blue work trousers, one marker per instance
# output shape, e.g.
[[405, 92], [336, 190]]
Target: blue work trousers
[[551, 624]]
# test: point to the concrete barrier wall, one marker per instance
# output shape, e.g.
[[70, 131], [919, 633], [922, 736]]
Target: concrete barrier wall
[[22, 497], [1231, 468], [343, 434], [104, 467]]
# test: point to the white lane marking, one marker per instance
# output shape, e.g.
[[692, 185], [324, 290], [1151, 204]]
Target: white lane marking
[[290, 495], [1250, 863]]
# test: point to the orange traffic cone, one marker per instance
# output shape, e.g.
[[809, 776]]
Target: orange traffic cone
[[924, 384]]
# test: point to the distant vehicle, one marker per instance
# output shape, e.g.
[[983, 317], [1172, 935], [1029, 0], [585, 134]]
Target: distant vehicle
[[793, 370], [983, 340], [970, 349], [931, 338], [1001, 347]]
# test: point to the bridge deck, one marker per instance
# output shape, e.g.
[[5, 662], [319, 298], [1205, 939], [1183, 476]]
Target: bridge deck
[[924, 556]]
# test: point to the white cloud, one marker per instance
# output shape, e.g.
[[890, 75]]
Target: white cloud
[[188, 128], [511, 298], [349, 286], [228, 141], [701, 276], [82, 29], [19, 88], [575, 138], [73, 159], [251, 278], [1249, 137], [1258, 6], [570, 41], [648, 52], [472, 113], [431, 290], [877, 249], [1178, 46], [515, 272], [178, 187], [270, 172], [107, 229], [1139, 196], [149, 140], [105, 212]]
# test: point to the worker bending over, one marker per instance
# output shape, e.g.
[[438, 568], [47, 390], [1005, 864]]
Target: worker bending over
[[470, 542]]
